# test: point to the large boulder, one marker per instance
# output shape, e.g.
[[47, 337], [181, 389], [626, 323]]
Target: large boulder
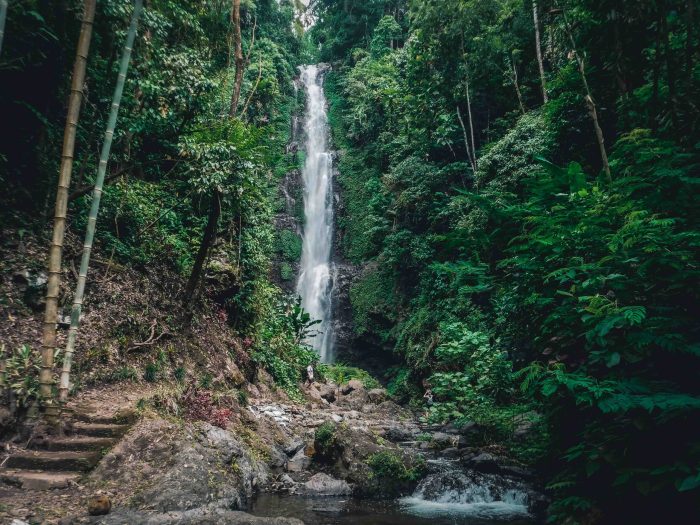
[[299, 462], [314, 395], [354, 395], [161, 466], [324, 485], [328, 392], [377, 395], [482, 462], [398, 433], [294, 445], [353, 384]]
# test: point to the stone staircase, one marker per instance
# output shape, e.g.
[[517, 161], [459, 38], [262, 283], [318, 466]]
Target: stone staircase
[[55, 461]]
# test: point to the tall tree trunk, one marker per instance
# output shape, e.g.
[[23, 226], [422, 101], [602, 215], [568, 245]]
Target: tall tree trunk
[[471, 124], [619, 54], [538, 49], [656, 77], [592, 110], [95, 207], [466, 140], [670, 71], [3, 16], [237, 57], [517, 87], [209, 235], [207, 241], [689, 37], [59, 226]]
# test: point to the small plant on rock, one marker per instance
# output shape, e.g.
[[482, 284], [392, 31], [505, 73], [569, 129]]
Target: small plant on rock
[[391, 473], [324, 439]]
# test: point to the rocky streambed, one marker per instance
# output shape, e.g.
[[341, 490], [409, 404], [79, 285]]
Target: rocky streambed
[[345, 455], [358, 457]]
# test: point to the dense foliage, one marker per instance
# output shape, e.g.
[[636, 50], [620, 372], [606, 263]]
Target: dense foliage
[[519, 185], [176, 150], [499, 263]]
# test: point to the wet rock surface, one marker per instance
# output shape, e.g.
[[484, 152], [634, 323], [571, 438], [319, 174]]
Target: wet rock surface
[[324, 485]]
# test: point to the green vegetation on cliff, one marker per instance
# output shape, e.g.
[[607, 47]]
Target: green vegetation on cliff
[[531, 240]]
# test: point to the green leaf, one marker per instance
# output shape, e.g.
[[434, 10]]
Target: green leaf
[[689, 483], [613, 360]]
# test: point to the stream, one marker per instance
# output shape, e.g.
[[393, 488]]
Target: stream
[[448, 495]]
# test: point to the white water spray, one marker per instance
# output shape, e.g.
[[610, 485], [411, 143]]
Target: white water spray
[[315, 278]]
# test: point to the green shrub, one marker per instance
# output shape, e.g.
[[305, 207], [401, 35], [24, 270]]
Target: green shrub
[[324, 439], [205, 380], [286, 272], [340, 374], [21, 373], [151, 372], [180, 373], [391, 473], [242, 398], [125, 373], [289, 245]]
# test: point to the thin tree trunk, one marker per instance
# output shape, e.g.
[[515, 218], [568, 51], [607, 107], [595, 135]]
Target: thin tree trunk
[[207, 240], [670, 72], [237, 57], [466, 140], [3, 16], [619, 54], [59, 226], [593, 112], [517, 87], [471, 124], [538, 49], [689, 37], [96, 194], [3, 359], [656, 77]]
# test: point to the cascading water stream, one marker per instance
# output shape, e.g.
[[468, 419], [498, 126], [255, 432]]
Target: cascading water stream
[[315, 277]]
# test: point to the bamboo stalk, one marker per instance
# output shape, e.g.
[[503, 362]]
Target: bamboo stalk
[[96, 195], [59, 225]]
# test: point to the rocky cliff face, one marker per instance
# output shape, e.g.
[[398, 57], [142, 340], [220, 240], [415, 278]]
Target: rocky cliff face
[[345, 274]]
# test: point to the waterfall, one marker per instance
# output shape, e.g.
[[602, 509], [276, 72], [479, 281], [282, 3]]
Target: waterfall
[[316, 274]]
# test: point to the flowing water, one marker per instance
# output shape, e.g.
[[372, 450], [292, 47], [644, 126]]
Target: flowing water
[[316, 275], [448, 495], [355, 511], [453, 492]]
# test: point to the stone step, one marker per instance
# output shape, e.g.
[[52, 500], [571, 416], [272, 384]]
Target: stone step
[[100, 429], [76, 443], [53, 460], [121, 417], [37, 479]]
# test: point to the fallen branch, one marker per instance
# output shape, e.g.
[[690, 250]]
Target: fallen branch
[[151, 338]]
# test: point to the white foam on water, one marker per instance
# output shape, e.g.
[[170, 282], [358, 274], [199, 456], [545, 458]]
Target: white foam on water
[[456, 494]]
